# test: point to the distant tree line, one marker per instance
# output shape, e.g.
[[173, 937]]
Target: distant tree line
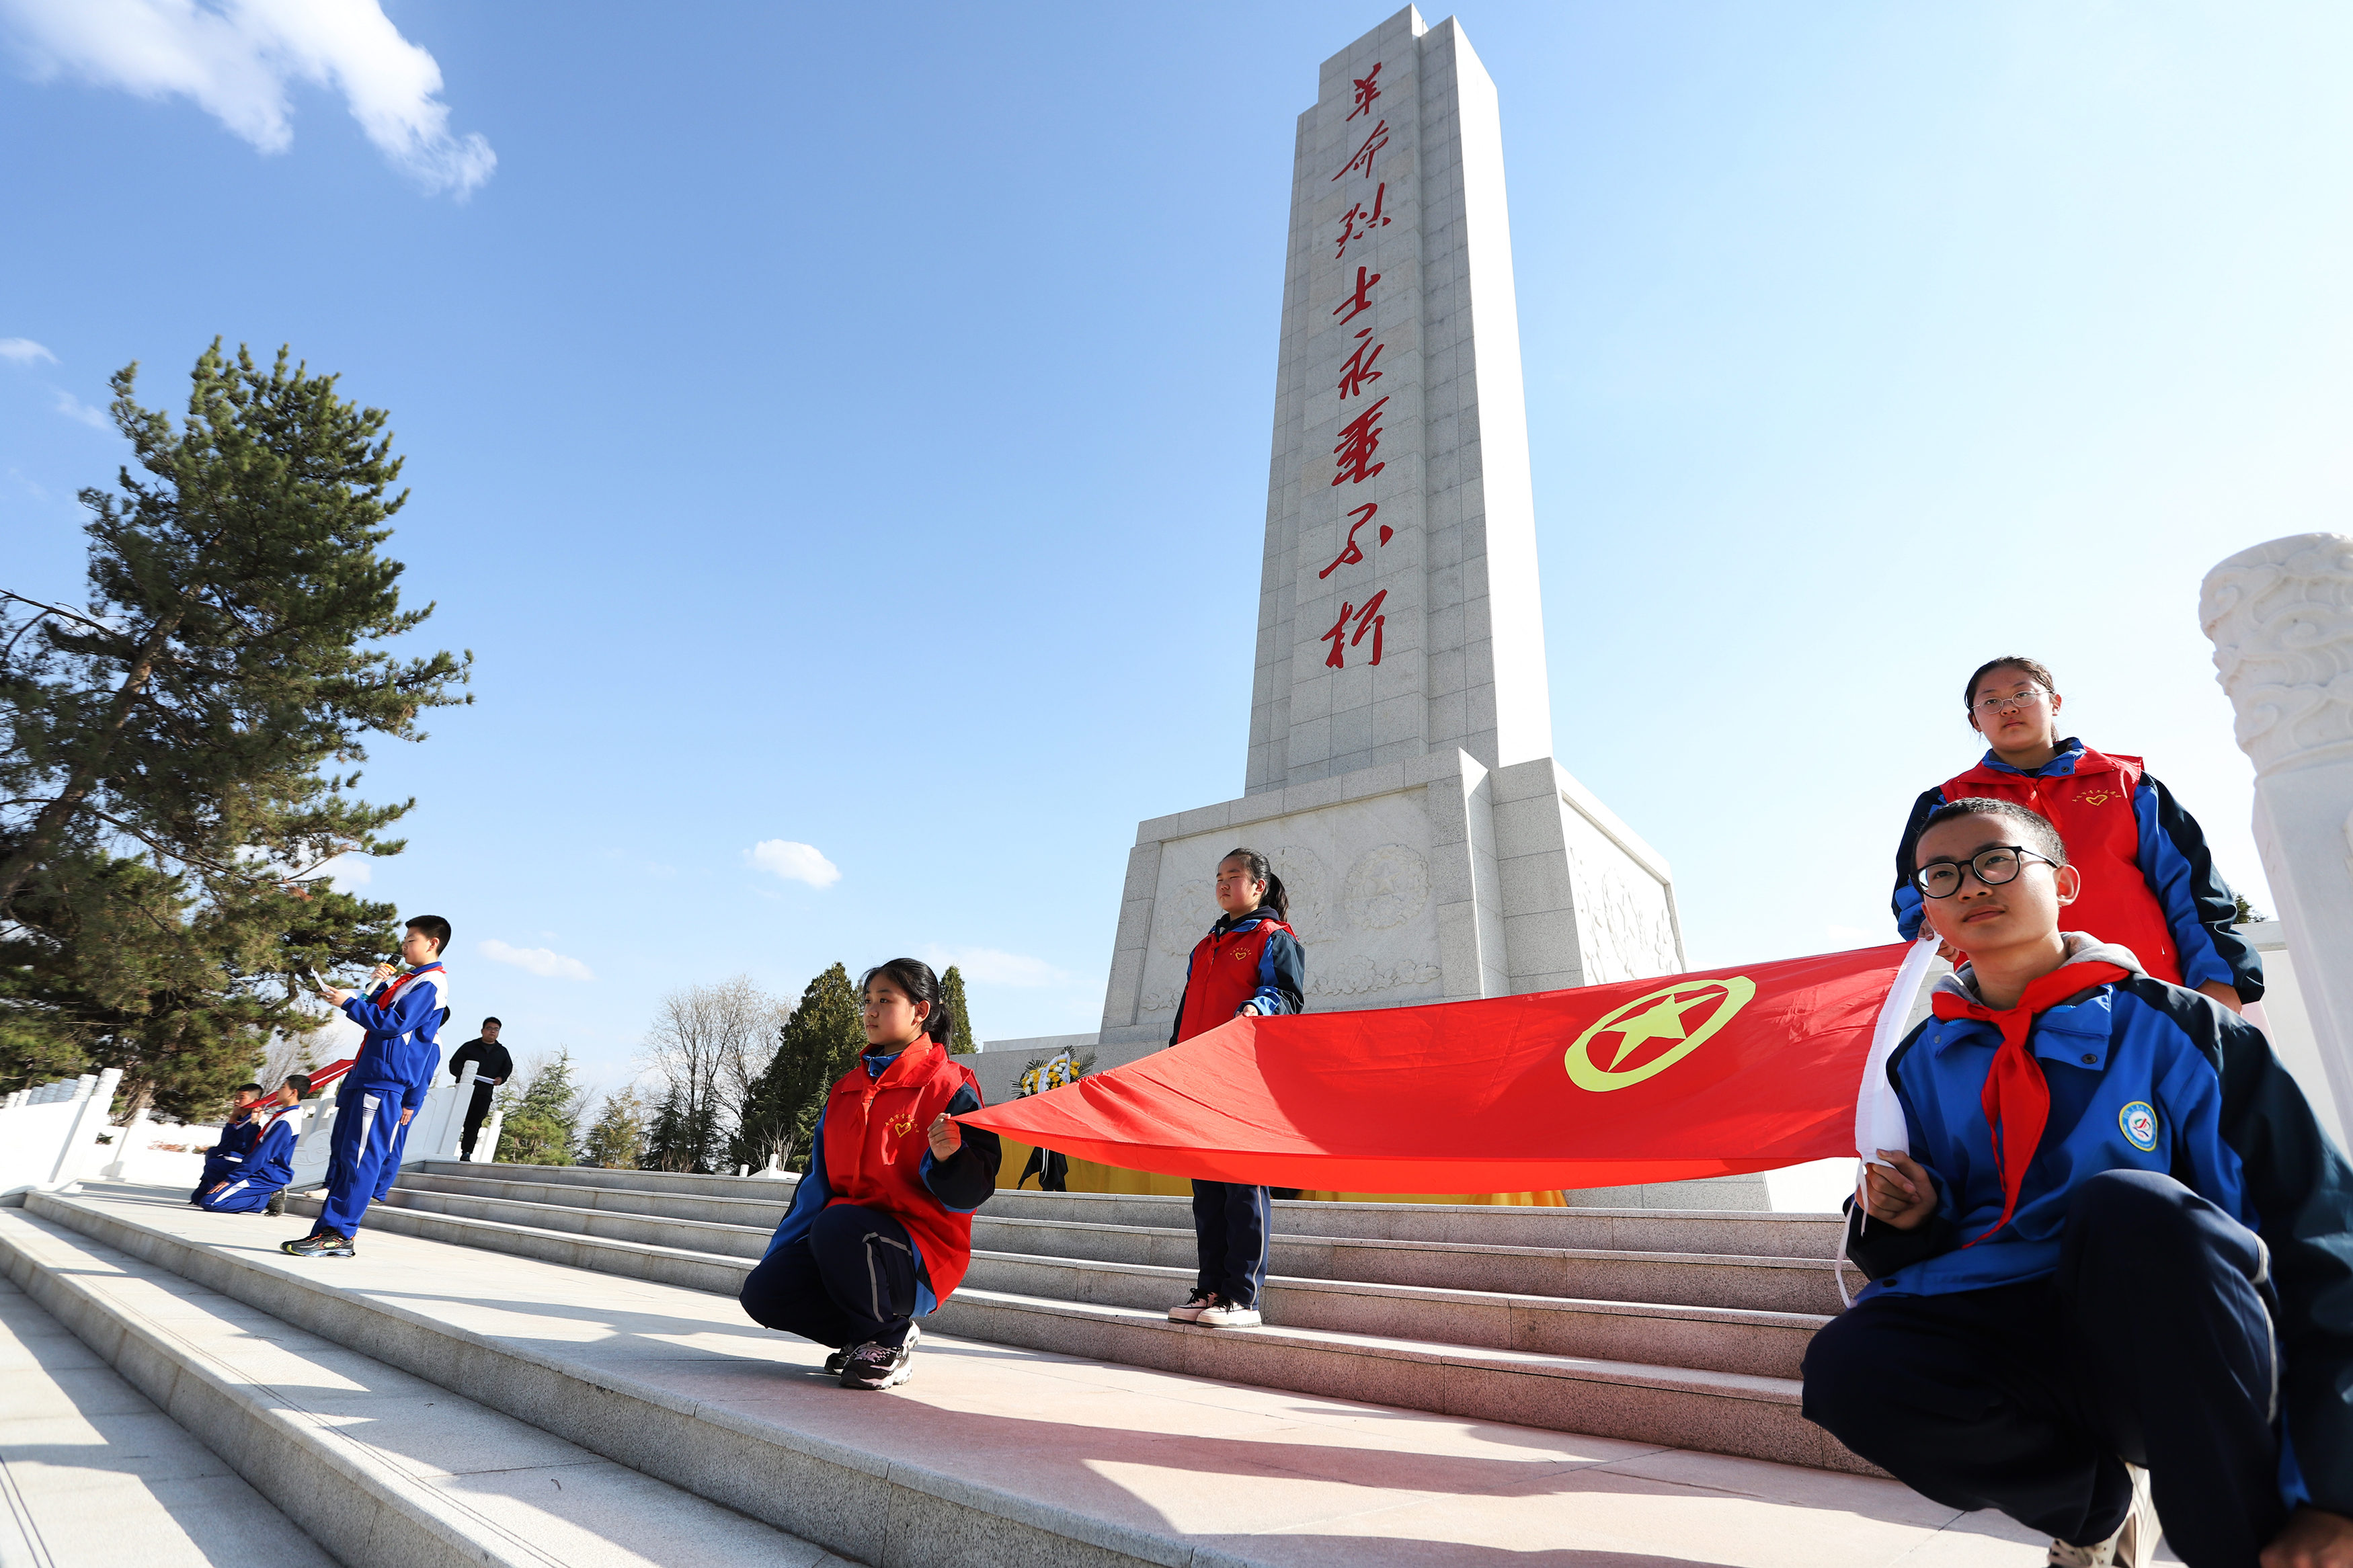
[[738, 1076]]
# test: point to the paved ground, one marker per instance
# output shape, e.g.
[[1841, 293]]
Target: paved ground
[[1280, 1476], [93, 1475]]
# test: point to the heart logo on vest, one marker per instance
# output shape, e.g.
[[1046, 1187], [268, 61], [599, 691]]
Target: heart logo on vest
[[1664, 1015]]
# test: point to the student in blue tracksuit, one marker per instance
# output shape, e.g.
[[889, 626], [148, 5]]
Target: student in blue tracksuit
[[239, 1133], [386, 1085], [2118, 1253], [249, 1182]]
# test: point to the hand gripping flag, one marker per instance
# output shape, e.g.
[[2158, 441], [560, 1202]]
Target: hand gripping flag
[[1662, 1079]]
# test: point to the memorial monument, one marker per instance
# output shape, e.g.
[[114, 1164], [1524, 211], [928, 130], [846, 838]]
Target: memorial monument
[[1401, 774]]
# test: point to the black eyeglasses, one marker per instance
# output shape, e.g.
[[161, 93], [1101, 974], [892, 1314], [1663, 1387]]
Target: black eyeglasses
[[2002, 863]]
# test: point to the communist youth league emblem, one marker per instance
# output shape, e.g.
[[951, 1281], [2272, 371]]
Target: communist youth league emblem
[[1687, 1015]]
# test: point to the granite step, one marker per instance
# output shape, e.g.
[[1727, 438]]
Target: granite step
[[373, 1463], [1711, 1408], [1710, 1232], [996, 1455], [1755, 1284]]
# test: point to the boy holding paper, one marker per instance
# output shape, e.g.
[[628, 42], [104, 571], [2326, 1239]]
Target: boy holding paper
[[2118, 1243]]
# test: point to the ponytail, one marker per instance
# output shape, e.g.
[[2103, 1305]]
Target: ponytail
[[1260, 870]]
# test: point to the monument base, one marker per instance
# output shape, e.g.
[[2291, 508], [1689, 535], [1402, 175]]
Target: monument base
[[1435, 878]]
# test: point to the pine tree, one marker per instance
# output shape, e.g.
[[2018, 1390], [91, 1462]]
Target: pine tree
[[684, 1138], [543, 1118], [192, 719], [814, 1047], [618, 1141], [961, 1039]]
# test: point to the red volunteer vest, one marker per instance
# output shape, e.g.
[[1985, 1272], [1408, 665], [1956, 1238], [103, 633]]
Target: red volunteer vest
[[1224, 975], [2093, 810], [874, 1148]]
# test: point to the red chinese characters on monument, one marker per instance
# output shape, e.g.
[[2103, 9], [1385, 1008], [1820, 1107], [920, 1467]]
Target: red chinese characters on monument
[[1356, 451], [1368, 618]]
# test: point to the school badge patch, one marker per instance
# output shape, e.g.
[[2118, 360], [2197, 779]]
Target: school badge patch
[[2139, 1123]]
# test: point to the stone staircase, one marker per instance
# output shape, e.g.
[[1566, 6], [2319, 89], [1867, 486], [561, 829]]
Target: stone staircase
[[545, 1367], [1682, 1327]]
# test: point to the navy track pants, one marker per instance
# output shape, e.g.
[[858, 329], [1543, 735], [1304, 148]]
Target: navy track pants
[[852, 1281], [363, 1141], [1230, 1227], [2153, 1343], [242, 1195]]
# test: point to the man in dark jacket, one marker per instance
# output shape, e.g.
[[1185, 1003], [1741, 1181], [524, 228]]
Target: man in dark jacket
[[2116, 1252], [493, 1066]]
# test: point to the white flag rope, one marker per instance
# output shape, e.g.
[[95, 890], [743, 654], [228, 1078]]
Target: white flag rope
[[1878, 1114]]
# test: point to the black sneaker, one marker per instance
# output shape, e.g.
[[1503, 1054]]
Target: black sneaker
[[835, 1363], [319, 1244], [874, 1366], [277, 1204]]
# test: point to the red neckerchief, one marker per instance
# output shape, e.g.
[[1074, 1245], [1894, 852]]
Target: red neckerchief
[[2016, 1097], [391, 990]]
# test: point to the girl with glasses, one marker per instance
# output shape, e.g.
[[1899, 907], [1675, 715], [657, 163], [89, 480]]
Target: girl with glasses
[[2149, 883]]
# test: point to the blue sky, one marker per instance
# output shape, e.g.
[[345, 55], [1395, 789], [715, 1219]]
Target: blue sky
[[848, 427]]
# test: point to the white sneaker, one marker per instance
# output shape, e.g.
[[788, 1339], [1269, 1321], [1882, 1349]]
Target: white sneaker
[[1195, 1304], [2133, 1545], [1222, 1314]]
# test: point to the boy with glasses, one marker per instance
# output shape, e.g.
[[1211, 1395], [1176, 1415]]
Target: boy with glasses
[[2118, 1241], [2149, 883]]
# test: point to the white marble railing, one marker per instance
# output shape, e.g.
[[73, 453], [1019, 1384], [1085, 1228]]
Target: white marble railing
[[47, 1132], [433, 1133]]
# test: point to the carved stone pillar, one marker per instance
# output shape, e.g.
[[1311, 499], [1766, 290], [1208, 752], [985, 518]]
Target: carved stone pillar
[[2281, 618]]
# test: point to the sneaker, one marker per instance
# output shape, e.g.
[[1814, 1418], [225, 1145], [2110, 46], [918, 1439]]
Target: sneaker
[[835, 1363], [1195, 1305], [1221, 1313], [319, 1244], [2133, 1545], [277, 1204], [874, 1366]]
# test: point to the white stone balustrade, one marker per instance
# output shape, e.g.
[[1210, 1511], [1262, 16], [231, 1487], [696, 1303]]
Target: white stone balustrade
[[46, 1132], [2280, 618]]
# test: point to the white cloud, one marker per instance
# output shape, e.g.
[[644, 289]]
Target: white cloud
[[794, 862], [238, 57], [546, 963], [73, 407], [990, 967], [25, 350], [347, 871]]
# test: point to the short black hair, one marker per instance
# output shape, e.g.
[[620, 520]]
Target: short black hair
[[435, 927], [2034, 827], [248, 1088], [500, 1022], [300, 1083]]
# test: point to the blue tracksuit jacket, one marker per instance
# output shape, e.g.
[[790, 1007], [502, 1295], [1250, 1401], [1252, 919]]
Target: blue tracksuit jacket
[[2151, 1076], [399, 1052], [253, 1177]]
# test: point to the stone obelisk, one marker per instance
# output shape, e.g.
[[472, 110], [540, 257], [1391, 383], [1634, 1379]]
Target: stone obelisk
[[1400, 774]]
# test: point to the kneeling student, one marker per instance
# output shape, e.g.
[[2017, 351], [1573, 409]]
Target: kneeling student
[[239, 1133], [879, 1230], [2119, 1240], [250, 1183]]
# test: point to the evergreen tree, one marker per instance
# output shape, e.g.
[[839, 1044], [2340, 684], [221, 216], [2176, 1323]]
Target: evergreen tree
[[541, 1119], [961, 1039], [618, 1141], [814, 1047], [684, 1138], [196, 714]]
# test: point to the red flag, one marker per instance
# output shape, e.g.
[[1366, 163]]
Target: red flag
[[1662, 1079], [322, 1077]]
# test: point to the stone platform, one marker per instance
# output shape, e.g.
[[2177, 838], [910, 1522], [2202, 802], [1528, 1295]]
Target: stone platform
[[993, 1454]]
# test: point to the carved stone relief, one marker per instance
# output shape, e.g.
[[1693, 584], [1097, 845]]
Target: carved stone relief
[[2281, 618], [1385, 888], [1627, 934]]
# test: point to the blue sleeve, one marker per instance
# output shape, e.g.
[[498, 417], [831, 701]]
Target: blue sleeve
[[1907, 901], [809, 1197], [409, 1011], [1177, 1022], [1282, 975], [2198, 906], [963, 1181], [274, 1158]]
